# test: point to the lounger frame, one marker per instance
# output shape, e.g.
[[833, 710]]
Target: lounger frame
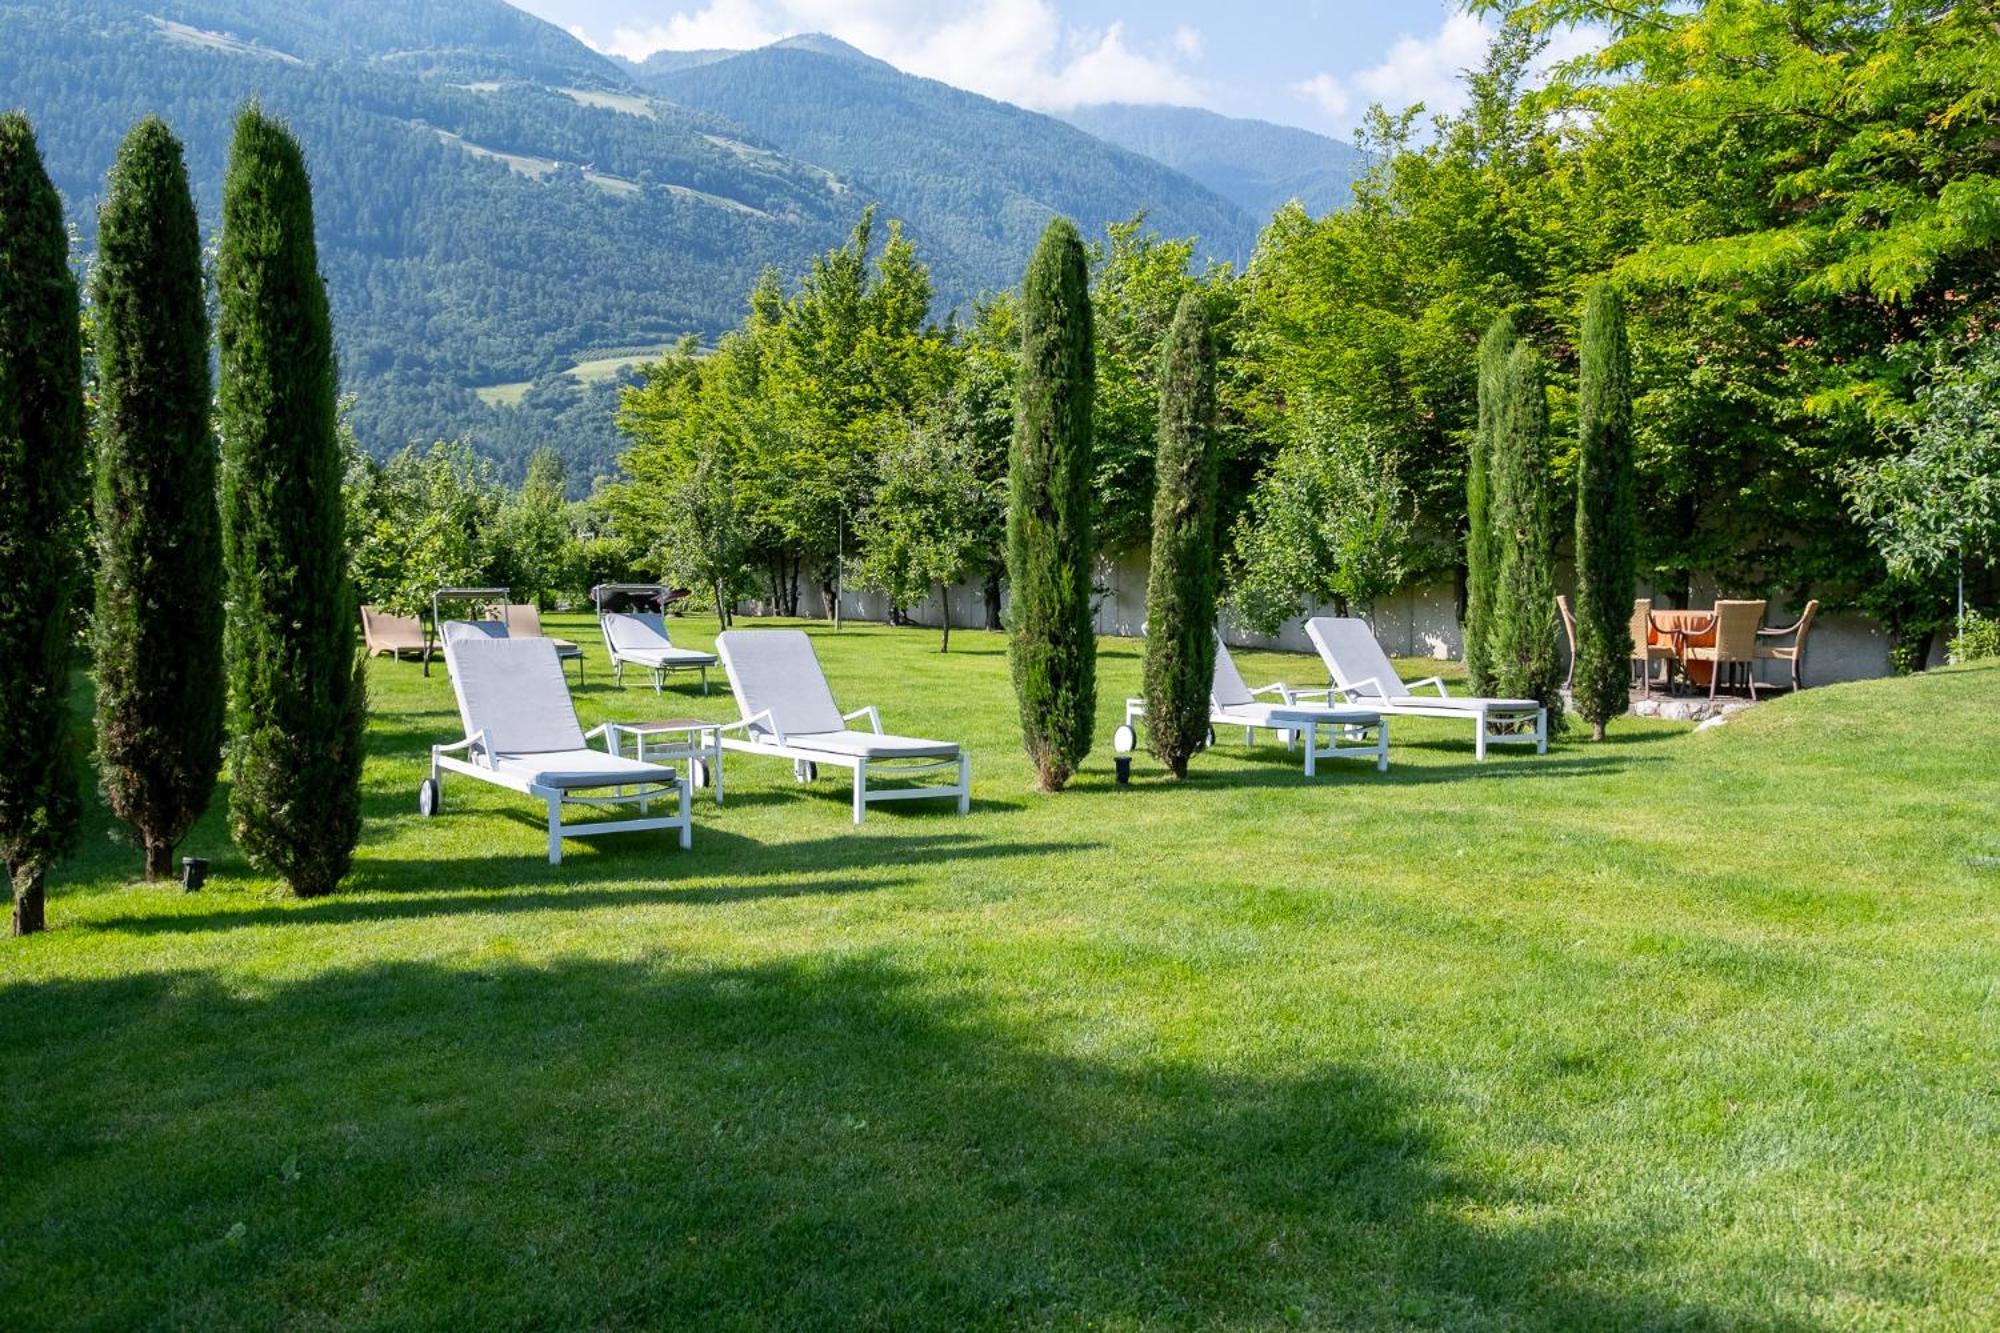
[[772, 743], [1367, 740], [1494, 722], [444, 759]]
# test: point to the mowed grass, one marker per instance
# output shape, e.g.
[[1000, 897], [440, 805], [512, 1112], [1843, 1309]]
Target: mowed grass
[[1680, 1031]]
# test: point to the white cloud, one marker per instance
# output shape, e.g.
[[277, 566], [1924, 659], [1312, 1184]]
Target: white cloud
[[1018, 50], [722, 24], [1329, 93], [1431, 70]]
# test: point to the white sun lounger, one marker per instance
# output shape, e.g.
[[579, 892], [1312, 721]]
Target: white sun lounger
[[789, 713], [641, 639], [1232, 703], [521, 733], [1363, 674]]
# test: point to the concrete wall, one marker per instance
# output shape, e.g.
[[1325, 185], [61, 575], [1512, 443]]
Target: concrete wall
[[1419, 621]]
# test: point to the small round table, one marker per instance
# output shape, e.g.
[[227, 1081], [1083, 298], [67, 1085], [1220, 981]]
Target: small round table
[[683, 738]]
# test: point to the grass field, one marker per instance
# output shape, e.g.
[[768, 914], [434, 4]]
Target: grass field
[[1682, 1031]]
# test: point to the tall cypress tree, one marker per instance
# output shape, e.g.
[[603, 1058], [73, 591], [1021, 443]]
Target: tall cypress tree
[[42, 466], [1481, 559], [1607, 513], [1521, 634], [1181, 586], [158, 622], [1049, 541], [297, 703]]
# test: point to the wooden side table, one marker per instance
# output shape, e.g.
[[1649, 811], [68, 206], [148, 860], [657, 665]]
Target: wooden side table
[[687, 739]]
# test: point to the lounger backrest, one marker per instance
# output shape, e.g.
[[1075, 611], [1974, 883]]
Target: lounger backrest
[[1354, 659], [775, 670], [524, 621], [514, 691], [636, 632], [384, 630], [456, 630], [1229, 689]]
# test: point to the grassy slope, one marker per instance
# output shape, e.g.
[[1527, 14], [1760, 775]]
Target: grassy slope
[[1687, 1030]]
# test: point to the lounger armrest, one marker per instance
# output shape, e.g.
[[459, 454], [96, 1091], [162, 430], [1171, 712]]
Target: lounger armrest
[[601, 729], [1278, 688], [777, 732], [1443, 693], [476, 741], [1354, 691], [1294, 696], [874, 718]]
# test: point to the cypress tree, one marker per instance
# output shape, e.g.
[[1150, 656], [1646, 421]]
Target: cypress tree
[[1181, 586], [1522, 630], [297, 701], [1481, 559], [42, 466], [158, 621], [1607, 513], [1049, 543]]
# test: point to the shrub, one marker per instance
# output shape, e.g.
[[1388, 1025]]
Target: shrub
[[1979, 641], [1049, 540], [1521, 638], [158, 621], [1481, 557], [42, 466], [1607, 514], [297, 698], [1181, 585]]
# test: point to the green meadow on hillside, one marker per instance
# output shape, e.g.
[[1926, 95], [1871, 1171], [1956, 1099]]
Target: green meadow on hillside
[[1685, 1030]]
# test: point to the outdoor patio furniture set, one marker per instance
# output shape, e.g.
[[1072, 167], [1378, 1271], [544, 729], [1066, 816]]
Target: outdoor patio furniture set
[[1717, 646]]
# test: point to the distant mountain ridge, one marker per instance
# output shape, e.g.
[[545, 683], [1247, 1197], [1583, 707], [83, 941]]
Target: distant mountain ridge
[[979, 177], [506, 216], [1255, 164]]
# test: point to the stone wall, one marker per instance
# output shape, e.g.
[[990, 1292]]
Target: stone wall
[[1419, 621]]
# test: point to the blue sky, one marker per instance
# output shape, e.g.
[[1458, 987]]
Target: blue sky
[[1299, 62]]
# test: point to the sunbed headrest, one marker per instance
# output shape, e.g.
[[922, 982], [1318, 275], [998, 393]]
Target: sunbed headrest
[[514, 691], [455, 630], [1229, 689], [1354, 658], [636, 630], [775, 670]]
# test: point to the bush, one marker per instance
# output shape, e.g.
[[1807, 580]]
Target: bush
[[1979, 641]]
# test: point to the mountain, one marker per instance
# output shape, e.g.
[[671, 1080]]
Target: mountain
[[509, 220], [1254, 164], [496, 203], [976, 178]]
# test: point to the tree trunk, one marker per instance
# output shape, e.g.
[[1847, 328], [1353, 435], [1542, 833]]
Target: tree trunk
[[944, 614], [721, 607], [29, 918], [829, 597], [993, 602], [159, 859], [1597, 731]]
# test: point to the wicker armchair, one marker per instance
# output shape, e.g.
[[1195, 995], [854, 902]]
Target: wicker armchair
[[1644, 651], [1793, 652], [1735, 626]]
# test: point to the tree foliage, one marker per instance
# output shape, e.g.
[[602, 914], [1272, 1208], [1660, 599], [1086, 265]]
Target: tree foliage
[[1521, 636], [1050, 545], [932, 514], [1481, 557], [158, 616], [1181, 584], [1607, 514], [42, 467], [1328, 522], [297, 693]]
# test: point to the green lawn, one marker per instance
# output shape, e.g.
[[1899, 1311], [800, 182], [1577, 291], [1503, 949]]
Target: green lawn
[[1681, 1031]]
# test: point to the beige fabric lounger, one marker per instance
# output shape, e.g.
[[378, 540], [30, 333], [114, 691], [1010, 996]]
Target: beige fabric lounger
[[789, 713], [393, 635], [1363, 674]]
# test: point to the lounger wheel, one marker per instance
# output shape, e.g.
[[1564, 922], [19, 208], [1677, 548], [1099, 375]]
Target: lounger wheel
[[1208, 741], [1125, 739], [805, 770], [429, 798], [698, 772]]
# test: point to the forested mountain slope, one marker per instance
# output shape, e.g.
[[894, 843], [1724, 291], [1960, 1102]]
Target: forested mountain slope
[[1258, 166], [479, 221], [979, 179]]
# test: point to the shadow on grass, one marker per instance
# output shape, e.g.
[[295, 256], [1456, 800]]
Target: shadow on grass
[[1274, 766], [618, 876], [600, 1144]]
